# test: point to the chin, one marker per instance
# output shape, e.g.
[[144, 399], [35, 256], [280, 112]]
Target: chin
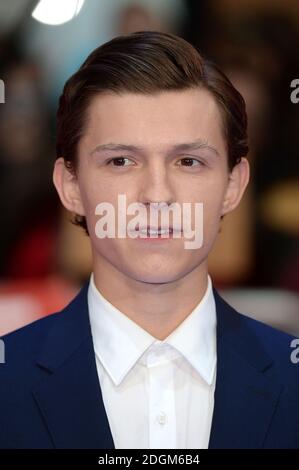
[[156, 275], [154, 279]]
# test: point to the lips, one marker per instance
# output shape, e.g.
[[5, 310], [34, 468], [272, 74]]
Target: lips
[[158, 229], [150, 231]]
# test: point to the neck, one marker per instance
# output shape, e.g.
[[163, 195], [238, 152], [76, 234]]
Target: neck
[[157, 308]]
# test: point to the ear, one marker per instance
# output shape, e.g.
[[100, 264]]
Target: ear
[[66, 184], [237, 182]]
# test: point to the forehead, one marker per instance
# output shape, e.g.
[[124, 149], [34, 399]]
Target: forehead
[[156, 119]]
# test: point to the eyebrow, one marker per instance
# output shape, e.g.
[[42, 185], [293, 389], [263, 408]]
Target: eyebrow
[[196, 145]]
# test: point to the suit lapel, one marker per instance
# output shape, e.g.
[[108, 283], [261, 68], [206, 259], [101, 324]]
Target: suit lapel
[[68, 394], [245, 398]]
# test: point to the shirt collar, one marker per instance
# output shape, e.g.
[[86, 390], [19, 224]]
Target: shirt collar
[[119, 342]]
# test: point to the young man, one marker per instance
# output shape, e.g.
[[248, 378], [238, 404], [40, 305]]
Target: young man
[[148, 355]]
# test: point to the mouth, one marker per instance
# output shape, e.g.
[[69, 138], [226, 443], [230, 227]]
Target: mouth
[[156, 232]]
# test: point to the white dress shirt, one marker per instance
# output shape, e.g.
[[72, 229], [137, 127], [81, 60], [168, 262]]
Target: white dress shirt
[[157, 394]]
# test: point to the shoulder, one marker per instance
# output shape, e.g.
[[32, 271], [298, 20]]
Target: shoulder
[[52, 334], [272, 338], [22, 345], [25, 343], [278, 344], [254, 338]]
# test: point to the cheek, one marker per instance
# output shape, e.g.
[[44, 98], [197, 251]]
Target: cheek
[[213, 203], [211, 195], [94, 190], [210, 191]]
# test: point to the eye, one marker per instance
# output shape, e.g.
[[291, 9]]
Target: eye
[[118, 161], [188, 161]]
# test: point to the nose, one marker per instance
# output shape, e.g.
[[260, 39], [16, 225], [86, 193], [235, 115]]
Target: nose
[[156, 186]]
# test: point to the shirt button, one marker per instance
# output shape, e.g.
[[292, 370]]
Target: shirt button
[[162, 418]]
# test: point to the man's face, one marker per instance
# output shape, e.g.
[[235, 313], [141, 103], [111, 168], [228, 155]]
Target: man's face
[[158, 171]]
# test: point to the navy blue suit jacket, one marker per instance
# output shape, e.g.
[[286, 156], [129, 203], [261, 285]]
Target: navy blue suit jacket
[[50, 396]]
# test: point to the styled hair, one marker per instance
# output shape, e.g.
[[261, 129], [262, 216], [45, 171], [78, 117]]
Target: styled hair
[[146, 62]]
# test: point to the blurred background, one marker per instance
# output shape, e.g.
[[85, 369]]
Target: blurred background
[[44, 259]]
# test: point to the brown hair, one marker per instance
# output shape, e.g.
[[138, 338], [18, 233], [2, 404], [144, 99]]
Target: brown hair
[[146, 62]]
